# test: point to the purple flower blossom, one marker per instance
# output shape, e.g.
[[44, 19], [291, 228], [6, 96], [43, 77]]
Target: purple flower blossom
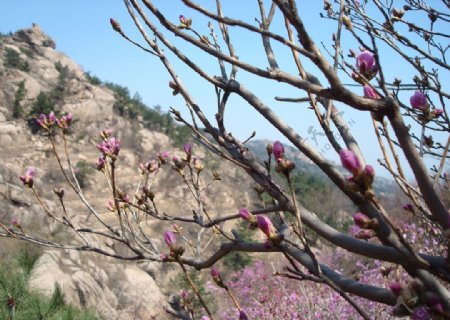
[[28, 178], [170, 239], [366, 65], [370, 93], [242, 315], [266, 226], [278, 150], [419, 101], [349, 160]]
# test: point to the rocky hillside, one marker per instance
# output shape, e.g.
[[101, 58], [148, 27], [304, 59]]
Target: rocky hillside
[[35, 78]]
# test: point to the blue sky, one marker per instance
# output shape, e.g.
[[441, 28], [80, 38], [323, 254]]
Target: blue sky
[[81, 30]]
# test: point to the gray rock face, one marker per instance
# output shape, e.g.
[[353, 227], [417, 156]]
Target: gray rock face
[[114, 289], [35, 37]]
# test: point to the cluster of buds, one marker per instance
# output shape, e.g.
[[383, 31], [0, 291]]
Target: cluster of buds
[[419, 101], [65, 121], [367, 225], [186, 300], [185, 23], [179, 164], [150, 166], [47, 122], [283, 165], [153, 165], [109, 148], [362, 178], [28, 178], [366, 65], [414, 298], [171, 240], [146, 194]]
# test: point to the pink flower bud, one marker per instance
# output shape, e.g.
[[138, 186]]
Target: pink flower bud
[[266, 226], [361, 220], [278, 150], [396, 287], [188, 149], [245, 214], [437, 112], [101, 163], [65, 121], [369, 170], [184, 294], [46, 122], [408, 207], [349, 160], [52, 117], [215, 274], [419, 101], [370, 93], [111, 206], [170, 239], [365, 234], [28, 178], [163, 156]]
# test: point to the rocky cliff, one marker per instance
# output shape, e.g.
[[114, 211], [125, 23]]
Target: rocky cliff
[[31, 69]]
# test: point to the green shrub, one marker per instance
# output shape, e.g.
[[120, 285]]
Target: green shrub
[[94, 80], [13, 60], [29, 53], [17, 302], [43, 104], [18, 97], [59, 91]]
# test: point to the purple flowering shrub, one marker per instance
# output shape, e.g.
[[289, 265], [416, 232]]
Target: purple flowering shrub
[[265, 294]]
